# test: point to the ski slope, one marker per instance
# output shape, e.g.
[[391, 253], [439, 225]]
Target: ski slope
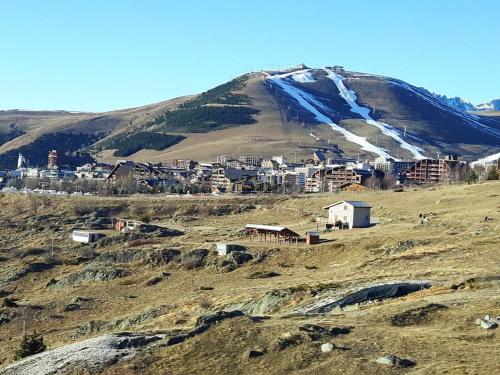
[[350, 97], [308, 102], [486, 160]]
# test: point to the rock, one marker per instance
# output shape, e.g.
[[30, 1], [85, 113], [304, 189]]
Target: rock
[[488, 324], [90, 275], [6, 317], [154, 280], [256, 353], [239, 257], [85, 356], [158, 231], [287, 340], [268, 303], [203, 323], [9, 302], [72, 307], [51, 282], [164, 257], [30, 268], [194, 258], [392, 360], [417, 316], [327, 347], [263, 275], [362, 295]]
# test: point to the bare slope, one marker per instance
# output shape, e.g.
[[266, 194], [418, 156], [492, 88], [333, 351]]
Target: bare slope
[[142, 286]]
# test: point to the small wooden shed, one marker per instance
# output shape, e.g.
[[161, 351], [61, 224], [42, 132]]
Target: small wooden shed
[[312, 237]]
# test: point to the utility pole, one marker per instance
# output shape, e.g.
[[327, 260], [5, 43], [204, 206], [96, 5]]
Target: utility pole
[[24, 322]]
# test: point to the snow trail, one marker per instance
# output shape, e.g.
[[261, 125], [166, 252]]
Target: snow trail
[[308, 102], [350, 97]]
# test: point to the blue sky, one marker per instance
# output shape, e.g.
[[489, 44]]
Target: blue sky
[[97, 55]]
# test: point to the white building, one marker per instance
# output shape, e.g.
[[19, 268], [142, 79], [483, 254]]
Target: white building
[[85, 236], [352, 214]]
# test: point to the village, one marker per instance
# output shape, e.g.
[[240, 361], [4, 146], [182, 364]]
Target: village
[[321, 172]]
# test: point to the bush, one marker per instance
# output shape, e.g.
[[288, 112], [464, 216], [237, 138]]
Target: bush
[[205, 303], [492, 174], [81, 207], [30, 344]]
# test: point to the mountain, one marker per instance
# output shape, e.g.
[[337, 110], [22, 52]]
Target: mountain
[[494, 105], [457, 103], [289, 112]]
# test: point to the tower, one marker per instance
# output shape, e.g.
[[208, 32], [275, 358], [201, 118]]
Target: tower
[[52, 164], [21, 161]]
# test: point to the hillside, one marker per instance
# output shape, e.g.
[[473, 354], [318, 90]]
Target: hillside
[[288, 112], [162, 287]]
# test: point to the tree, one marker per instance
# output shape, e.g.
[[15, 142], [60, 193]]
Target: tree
[[492, 173], [30, 344], [472, 177]]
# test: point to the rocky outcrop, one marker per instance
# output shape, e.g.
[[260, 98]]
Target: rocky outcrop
[[30, 268], [90, 355], [416, 316], [268, 303], [202, 324], [327, 301], [121, 324], [90, 274]]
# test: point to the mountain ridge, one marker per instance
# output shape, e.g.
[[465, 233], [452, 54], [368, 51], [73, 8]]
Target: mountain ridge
[[387, 117]]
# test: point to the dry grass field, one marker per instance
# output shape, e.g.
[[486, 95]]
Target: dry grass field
[[457, 252]]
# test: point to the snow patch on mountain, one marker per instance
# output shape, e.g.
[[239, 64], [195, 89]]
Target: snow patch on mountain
[[308, 102], [494, 105], [486, 160], [350, 97], [303, 77]]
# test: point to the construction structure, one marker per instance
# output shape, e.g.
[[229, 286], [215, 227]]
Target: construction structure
[[52, 160], [126, 225], [433, 171], [271, 233]]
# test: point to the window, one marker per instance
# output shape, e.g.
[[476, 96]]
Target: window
[[345, 207]]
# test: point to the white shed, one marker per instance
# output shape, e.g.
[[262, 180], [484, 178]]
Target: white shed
[[353, 214], [85, 236], [225, 248]]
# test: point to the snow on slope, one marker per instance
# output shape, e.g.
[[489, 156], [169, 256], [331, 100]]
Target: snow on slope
[[437, 103], [486, 160], [308, 102], [350, 97], [304, 77]]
